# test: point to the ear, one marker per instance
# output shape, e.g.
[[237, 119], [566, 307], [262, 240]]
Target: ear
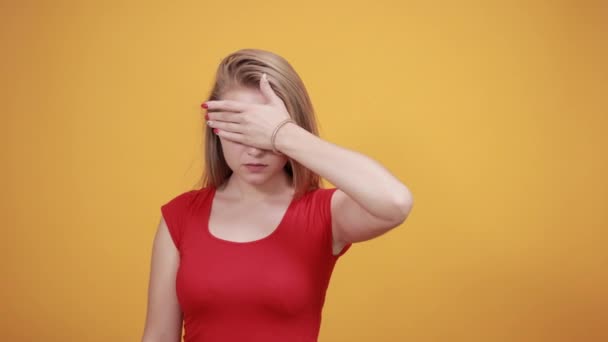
[[267, 90]]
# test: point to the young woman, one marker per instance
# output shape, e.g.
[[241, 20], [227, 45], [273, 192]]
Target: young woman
[[249, 256]]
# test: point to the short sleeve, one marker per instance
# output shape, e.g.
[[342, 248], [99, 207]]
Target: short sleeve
[[322, 207], [174, 212]]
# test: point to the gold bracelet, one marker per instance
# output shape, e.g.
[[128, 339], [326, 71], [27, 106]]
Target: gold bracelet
[[274, 134]]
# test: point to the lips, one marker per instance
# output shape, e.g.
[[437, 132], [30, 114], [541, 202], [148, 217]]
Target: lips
[[256, 164]]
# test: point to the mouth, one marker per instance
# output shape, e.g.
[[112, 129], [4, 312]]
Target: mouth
[[256, 164]]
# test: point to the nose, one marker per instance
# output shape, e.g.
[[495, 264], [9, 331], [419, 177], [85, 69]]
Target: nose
[[254, 151]]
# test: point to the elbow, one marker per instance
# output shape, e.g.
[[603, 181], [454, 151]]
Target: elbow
[[155, 339], [403, 204], [150, 337]]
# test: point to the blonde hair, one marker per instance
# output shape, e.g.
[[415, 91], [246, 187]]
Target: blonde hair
[[244, 68]]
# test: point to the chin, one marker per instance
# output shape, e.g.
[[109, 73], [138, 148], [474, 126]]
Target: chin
[[257, 178]]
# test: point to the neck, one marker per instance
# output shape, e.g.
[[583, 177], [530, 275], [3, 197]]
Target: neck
[[246, 192]]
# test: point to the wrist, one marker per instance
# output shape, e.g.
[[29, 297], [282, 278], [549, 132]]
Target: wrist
[[285, 135]]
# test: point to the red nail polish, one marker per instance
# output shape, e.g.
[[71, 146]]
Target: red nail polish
[[204, 105], [215, 130], [206, 116]]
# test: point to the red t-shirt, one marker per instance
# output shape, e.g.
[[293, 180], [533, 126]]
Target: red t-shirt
[[271, 289]]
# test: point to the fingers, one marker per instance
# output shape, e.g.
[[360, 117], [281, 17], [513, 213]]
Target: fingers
[[235, 137], [266, 89], [225, 126], [224, 116], [225, 105]]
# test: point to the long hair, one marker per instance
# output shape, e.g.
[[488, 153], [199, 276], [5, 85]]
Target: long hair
[[244, 68]]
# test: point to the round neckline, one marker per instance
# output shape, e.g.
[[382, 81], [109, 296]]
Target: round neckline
[[276, 230]]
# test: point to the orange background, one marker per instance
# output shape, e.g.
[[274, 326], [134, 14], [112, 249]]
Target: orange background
[[493, 113]]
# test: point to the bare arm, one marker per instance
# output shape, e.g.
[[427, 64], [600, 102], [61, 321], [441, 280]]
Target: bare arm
[[164, 316], [369, 200]]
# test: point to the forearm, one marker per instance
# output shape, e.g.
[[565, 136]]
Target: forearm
[[366, 181]]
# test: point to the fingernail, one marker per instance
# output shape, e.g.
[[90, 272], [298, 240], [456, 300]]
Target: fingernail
[[204, 105], [215, 130], [206, 116], [265, 77]]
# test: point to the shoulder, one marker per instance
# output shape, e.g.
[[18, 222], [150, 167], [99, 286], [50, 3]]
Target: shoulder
[[318, 194], [321, 197], [180, 199], [317, 204], [189, 195], [185, 200], [179, 208]]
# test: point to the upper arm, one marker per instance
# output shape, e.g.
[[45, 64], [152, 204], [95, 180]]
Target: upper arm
[[352, 223], [164, 316]]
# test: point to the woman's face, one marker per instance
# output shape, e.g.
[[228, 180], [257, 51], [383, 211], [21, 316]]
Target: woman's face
[[238, 155]]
